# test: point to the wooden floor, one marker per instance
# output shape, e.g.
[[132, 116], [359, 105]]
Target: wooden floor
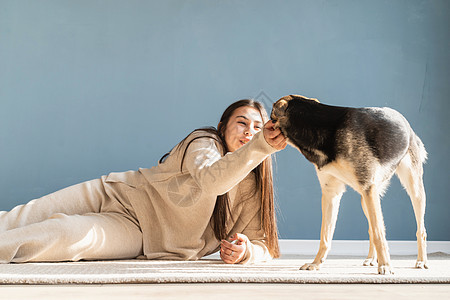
[[227, 291]]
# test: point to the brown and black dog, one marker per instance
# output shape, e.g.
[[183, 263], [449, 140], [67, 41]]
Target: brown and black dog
[[362, 148]]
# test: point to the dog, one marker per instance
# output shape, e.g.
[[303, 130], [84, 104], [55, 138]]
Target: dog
[[361, 148]]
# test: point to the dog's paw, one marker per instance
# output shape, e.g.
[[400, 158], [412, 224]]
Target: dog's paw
[[385, 270], [310, 267], [370, 261], [421, 264]]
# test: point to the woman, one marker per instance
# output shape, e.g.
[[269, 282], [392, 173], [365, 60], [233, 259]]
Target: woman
[[213, 186]]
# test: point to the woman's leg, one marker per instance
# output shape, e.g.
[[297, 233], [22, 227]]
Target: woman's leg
[[71, 238], [78, 199]]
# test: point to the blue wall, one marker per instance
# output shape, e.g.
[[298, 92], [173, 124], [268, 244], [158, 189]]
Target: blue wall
[[90, 87]]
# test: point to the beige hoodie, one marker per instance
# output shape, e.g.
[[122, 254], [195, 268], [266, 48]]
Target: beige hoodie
[[174, 206]]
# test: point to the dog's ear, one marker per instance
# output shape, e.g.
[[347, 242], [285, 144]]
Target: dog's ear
[[279, 108]]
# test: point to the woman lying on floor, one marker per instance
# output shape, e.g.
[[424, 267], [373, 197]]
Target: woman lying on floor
[[213, 186]]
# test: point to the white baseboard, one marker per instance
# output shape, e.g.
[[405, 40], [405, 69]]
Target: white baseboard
[[359, 248]]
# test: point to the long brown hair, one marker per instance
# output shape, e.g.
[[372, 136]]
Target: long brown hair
[[263, 175]]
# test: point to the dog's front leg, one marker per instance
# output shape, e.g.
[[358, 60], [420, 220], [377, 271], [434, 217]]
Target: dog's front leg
[[332, 190], [371, 259], [371, 200]]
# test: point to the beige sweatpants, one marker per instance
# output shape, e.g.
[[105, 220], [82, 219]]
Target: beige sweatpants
[[90, 220]]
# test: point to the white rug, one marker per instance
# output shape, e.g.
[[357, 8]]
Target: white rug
[[337, 269]]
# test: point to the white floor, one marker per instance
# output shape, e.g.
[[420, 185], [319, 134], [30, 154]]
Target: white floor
[[251, 291], [228, 291]]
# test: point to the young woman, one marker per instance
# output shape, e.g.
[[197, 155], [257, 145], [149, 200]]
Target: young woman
[[213, 191]]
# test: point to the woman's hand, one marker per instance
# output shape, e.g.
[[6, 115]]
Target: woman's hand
[[273, 136], [234, 253]]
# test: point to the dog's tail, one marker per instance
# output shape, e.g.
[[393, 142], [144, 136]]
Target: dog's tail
[[417, 149]]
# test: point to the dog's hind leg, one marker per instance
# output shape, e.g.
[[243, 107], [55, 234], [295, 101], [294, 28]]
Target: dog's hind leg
[[371, 199], [410, 173], [371, 259], [332, 190]]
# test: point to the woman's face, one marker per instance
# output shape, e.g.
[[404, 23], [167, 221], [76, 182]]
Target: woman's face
[[243, 124]]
